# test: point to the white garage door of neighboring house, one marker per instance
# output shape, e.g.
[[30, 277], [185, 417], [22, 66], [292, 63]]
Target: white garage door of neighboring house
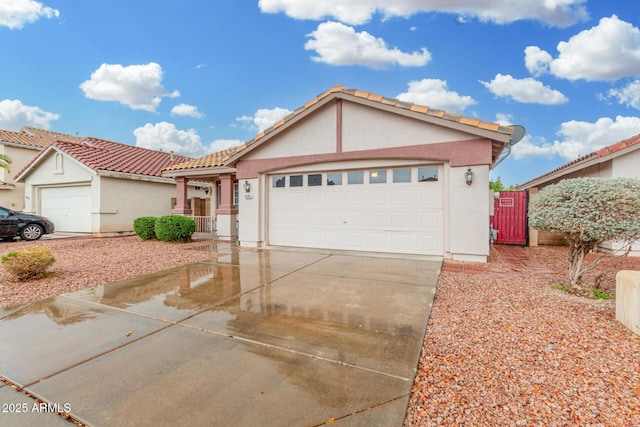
[[398, 210], [68, 207]]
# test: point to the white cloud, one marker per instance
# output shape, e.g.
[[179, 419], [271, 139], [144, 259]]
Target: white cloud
[[339, 44], [264, 118], [528, 90], [15, 13], [504, 119], [434, 93], [580, 138], [137, 86], [561, 13], [223, 144], [14, 115], [608, 51], [164, 136], [186, 110], [628, 95], [536, 60]]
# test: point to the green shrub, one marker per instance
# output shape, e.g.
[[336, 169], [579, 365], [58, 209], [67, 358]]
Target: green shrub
[[145, 227], [175, 228], [28, 264]]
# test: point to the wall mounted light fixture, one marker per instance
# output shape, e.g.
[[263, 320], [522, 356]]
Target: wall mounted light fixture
[[468, 176], [206, 191], [247, 186]]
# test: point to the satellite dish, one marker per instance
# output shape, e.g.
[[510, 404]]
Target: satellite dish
[[517, 135]]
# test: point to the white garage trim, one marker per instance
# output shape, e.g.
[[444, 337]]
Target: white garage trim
[[382, 210], [68, 207]]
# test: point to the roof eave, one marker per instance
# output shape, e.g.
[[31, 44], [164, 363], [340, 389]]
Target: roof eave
[[536, 182], [25, 146], [590, 160], [503, 138], [213, 171], [43, 154]]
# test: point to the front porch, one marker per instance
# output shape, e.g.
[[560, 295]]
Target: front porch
[[223, 188]]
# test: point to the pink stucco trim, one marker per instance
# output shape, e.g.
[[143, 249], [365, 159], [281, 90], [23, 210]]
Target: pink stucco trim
[[226, 195], [457, 153], [339, 126], [182, 206]]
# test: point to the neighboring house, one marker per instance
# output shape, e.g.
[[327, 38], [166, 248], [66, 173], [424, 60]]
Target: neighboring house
[[620, 160], [21, 147], [98, 186], [357, 171]]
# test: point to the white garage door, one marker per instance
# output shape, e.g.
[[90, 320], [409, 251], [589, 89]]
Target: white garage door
[[398, 210], [68, 207]]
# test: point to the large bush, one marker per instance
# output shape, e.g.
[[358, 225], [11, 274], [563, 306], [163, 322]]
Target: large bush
[[589, 211], [175, 228], [145, 227], [31, 263]]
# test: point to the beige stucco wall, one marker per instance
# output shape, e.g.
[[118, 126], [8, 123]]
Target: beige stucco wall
[[20, 157], [627, 166], [250, 205], [47, 174], [319, 128], [468, 214], [366, 128], [121, 201]]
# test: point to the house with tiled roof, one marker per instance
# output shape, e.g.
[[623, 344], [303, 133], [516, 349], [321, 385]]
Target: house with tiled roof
[[353, 170], [21, 147], [619, 160], [97, 186]]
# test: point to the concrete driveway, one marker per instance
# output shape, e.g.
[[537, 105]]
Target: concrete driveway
[[255, 337]]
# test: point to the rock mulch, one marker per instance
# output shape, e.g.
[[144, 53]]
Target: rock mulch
[[509, 349], [85, 262]]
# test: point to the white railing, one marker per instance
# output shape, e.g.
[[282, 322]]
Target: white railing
[[204, 224]]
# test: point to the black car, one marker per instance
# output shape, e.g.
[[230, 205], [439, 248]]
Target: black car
[[28, 227]]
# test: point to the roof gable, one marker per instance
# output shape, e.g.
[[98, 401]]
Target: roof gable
[[102, 155], [598, 156], [500, 135]]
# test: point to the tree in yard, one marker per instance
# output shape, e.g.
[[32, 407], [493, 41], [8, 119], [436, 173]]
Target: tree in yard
[[497, 185], [5, 161], [589, 211]]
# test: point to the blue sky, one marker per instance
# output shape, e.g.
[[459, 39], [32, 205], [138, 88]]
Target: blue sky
[[198, 76]]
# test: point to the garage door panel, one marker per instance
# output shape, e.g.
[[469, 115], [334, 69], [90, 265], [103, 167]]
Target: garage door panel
[[356, 197], [333, 197], [379, 219], [69, 208], [379, 241], [404, 220], [391, 217], [428, 243], [401, 241], [378, 198]]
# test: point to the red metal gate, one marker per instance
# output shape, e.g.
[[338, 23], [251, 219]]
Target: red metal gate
[[510, 217]]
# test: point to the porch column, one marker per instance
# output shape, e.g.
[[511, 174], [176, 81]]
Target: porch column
[[182, 205], [226, 213]]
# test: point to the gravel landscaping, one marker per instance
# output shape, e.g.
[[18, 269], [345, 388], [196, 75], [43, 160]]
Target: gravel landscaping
[[503, 347], [85, 262], [510, 349]]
